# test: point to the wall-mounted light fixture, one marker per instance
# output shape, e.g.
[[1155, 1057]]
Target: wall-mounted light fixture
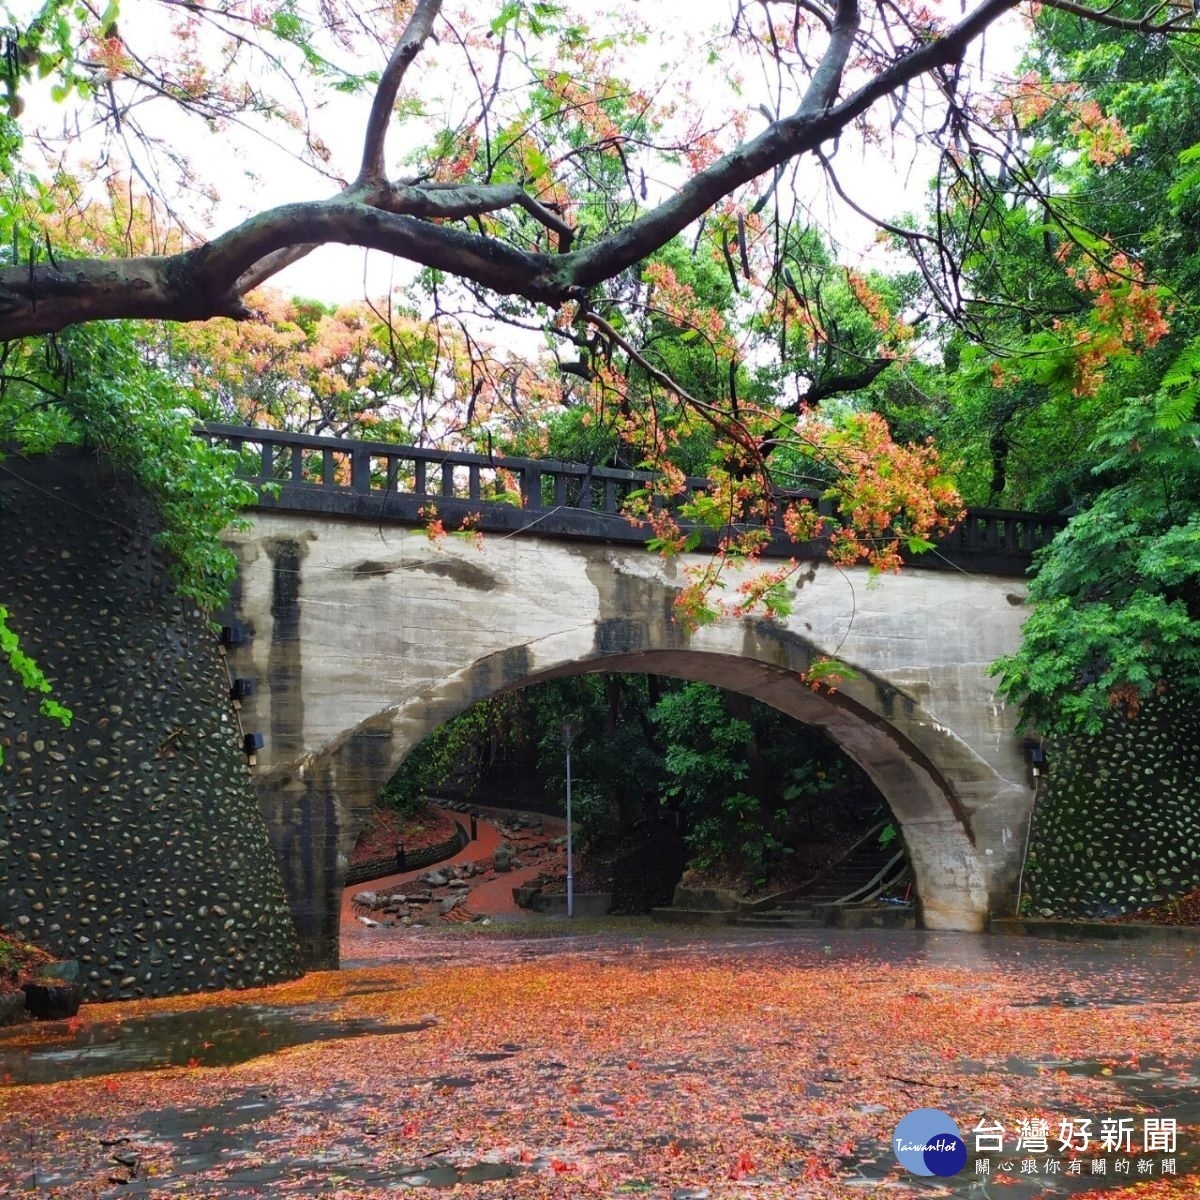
[[232, 635], [240, 689], [252, 743], [1035, 756]]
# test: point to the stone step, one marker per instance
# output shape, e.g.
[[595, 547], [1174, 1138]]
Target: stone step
[[779, 921], [694, 916], [777, 914]]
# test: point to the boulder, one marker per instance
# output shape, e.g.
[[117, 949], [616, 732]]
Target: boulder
[[52, 1001], [66, 971], [12, 1007], [713, 899]]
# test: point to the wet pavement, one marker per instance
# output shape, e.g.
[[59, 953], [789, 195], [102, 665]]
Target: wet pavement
[[216, 1037], [229, 1130], [1096, 974]]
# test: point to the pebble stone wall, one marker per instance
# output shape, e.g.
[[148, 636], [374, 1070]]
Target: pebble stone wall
[[132, 840], [1116, 828]]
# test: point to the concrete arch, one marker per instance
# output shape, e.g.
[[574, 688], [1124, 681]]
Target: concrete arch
[[950, 878], [363, 643]]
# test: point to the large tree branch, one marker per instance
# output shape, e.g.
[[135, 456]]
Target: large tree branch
[[839, 385], [788, 138], [204, 282], [405, 220], [1184, 21], [827, 78], [271, 265], [940, 52], [418, 30], [454, 201]]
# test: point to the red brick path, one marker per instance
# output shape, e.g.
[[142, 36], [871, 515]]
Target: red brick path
[[490, 895]]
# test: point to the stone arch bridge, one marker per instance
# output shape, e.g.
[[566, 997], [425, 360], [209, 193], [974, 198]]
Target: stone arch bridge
[[363, 636]]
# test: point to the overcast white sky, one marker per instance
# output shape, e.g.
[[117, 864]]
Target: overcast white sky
[[251, 174], [890, 184]]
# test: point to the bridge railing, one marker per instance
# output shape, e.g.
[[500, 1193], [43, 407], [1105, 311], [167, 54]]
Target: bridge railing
[[274, 456], [563, 499], [1002, 531]]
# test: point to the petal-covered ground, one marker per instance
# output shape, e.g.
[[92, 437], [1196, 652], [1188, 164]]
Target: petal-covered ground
[[633, 1061]]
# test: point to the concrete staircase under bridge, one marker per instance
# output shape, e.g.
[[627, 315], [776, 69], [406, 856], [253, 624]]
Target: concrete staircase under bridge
[[867, 871]]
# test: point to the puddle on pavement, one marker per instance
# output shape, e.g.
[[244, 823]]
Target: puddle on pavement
[[213, 1037], [1149, 1079], [1067, 1000], [447, 1177]]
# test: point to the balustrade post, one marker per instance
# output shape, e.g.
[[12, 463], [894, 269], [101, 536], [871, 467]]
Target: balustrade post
[[360, 471], [531, 487]]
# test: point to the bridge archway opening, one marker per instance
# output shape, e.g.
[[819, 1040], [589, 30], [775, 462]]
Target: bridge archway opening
[[948, 881], [668, 773]]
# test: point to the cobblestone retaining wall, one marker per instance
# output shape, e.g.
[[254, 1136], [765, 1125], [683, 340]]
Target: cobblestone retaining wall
[[131, 841], [377, 868], [1116, 827]]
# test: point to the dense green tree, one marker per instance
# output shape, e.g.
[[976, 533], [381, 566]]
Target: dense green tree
[[1068, 346], [743, 782], [1117, 595]]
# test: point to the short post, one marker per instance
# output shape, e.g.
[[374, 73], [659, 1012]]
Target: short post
[[568, 735], [400, 856], [474, 826]]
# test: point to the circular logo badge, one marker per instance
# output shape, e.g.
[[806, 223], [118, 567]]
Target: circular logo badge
[[927, 1142]]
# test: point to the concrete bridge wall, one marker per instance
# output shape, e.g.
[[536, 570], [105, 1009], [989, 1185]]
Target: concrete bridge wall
[[365, 638]]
